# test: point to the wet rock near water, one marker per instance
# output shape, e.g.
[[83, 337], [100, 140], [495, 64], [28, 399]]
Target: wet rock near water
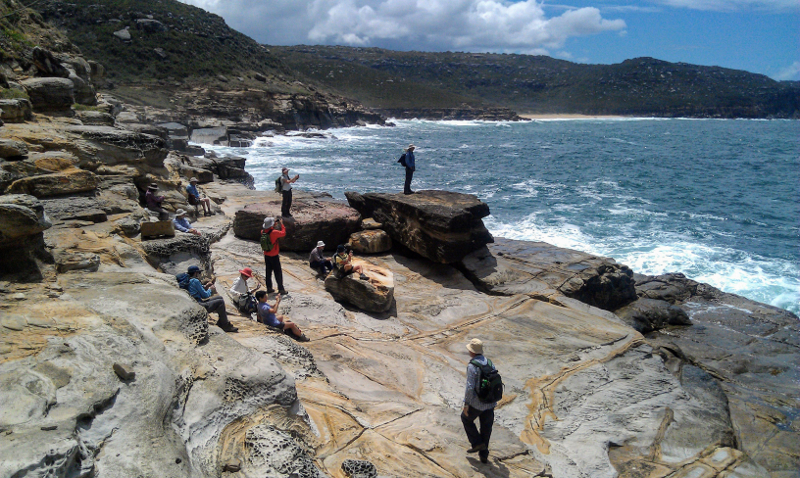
[[442, 226], [646, 315], [541, 270]]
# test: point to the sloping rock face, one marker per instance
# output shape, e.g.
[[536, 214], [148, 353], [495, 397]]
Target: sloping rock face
[[442, 226], [22, 221], [316, 217], [374, 294], [543, 271], [197, 400], [748, 346], [65, 182]]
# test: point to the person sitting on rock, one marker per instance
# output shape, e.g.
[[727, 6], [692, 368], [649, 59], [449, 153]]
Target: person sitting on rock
[[240, 291], [182, 224], [153, 202], [195, 199], [317, 260], [343, 260], [202, 294], [268, 315]]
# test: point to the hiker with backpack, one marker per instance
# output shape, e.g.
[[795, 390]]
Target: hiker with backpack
[[271, 232], [243, 295], [286, 191], [202, 294], [268, 315], [484, 389], [408, 160]]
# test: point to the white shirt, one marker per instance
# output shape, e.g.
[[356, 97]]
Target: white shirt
[[240, 286]]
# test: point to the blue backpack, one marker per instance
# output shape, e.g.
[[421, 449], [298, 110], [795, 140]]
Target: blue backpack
[[183, 280]]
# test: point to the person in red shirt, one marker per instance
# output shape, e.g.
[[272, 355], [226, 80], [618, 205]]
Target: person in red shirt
[[272, 259]]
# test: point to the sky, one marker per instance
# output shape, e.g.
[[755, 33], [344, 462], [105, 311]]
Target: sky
[[760, 36]]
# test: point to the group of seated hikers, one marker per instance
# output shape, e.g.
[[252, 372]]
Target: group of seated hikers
[[251, 300]]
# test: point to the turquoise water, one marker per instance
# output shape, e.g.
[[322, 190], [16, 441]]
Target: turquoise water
[[715, 199]]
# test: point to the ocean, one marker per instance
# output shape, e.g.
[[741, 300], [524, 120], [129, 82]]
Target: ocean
[[717, 200]]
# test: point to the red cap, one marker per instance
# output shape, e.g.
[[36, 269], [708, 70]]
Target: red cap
[[247, 272]]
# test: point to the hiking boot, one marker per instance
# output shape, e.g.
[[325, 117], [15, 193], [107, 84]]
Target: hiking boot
[[303, 338], [282, 292], [228, 328], [485, 459], [270, 291], [364, 277], [478, 447]]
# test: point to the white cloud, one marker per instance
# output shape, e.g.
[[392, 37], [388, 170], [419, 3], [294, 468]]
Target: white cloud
[[733, 5], [465, 25], [791, 72]]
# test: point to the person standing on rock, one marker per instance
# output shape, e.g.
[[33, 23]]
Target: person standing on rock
[[286, 191], [153, 202], [274, 230], [411, 166], [476, 408], [317, 260], [193, 196], [202, 294]]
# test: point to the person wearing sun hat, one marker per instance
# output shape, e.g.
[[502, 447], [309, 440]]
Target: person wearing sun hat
[[411, 166], [317, 260], [193, 196], [474, 407], [272, 259], [182, 224], [153, 202], [240, 291]]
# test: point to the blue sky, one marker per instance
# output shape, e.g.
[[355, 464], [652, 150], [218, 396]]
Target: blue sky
[[761, 36]]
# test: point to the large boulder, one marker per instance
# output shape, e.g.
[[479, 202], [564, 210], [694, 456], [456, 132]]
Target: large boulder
[[11, 148], [20, 216], [541, 270], [76, 208], [374, 294], [442, 226], [111, 146], [373, 241], [16, 110], [646, 315], [63, 182], [47, 64], [318, 218], [50, 94]]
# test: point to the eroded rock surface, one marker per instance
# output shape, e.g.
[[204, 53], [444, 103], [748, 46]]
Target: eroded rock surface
[[442, 226], [373, 294]]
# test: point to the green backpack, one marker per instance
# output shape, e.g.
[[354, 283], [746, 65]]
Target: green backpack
[[266, 242]]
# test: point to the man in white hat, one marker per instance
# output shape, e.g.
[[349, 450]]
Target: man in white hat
[[475, 407], [182, 223], [317, 260], [193, 196], [411, 166]]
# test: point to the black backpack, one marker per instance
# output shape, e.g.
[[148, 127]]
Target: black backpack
[[183, 280], [402, 160], [490, 385]]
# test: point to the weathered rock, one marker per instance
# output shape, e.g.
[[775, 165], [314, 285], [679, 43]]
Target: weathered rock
[[152, 229], [541, 270], [175, 129], [125, 372], [368, 223], [210, 135], [373, 241], [50, 94], [320, 218], [359, 469], [73, 261], [112, 146], [47, 64], [83, 92], [175, 255], [65, 182], [12, 149], [16, 110], [442, 226], [20, 216], [124, 34], [75, 208], [150, 26], [375, 294], [646, 315], [95, 118]]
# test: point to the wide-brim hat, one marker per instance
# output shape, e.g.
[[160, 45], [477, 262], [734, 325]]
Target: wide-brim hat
[[411, 146], [180, 212], [152, 186], [320, 244], [193, 180], [247, 272], [268, 222], [475, 346]]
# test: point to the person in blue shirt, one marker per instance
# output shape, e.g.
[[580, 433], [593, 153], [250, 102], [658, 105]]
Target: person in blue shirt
[[193, 196], [182, 224], [474, 407], [268, 315], [202, 294], [411, 166]]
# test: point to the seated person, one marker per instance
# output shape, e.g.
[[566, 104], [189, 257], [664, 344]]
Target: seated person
[[193, 196], [343, 260], [267, 315], [202, 294], [317, 260], [240, 292], [182, 224], [153, 202]]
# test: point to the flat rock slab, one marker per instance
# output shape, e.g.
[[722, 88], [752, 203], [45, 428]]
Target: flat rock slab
[[541, 270], [442, 226], [375, 294], [63, 182], [317, 218]]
